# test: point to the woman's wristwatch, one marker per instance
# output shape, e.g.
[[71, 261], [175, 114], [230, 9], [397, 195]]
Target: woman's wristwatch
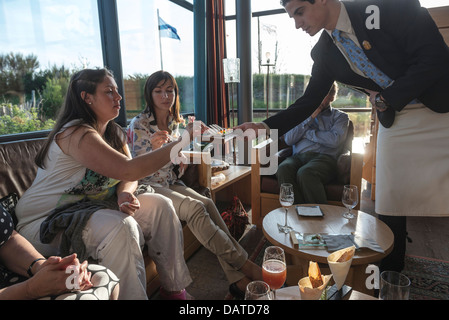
[[381, 105]]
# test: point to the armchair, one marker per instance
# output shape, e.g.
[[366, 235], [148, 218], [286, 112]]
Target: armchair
[[265, 188]]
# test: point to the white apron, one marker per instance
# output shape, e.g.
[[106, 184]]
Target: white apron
[[412, 166]]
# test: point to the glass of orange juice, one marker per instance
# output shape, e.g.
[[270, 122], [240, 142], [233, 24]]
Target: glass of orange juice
[[274, 269]]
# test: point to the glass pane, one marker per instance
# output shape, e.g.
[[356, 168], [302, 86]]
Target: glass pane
[[256, 6], [434, 3], [262, 5], [144, 51], [41, 43], [229, 7], [281, 67]]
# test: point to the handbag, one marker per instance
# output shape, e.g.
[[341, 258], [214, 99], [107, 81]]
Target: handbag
[[236, 218]]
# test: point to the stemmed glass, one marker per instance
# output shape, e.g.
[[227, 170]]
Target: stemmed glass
[[274, 268], [286, 198], [257, 290], [350, 198]]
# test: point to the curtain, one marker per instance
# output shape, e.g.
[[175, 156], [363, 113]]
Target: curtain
[[217, 92]]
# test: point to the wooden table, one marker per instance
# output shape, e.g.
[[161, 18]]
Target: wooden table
[[364, 225], [237, 178], [292, 293], [237, 182]]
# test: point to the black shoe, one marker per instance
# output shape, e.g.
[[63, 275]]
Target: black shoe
[[236, 292]]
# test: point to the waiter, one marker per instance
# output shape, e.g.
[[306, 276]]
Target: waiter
[[394, 52]]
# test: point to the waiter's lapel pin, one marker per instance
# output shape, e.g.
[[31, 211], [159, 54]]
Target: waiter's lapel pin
[[366, 45]]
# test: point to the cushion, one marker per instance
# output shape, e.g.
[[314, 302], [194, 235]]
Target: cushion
[[6, 226], [17, 167], [8, 203]]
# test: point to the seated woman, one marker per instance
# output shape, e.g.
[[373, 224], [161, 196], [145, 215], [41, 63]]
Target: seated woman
[[25, 274], [84, 197], [150, 131]]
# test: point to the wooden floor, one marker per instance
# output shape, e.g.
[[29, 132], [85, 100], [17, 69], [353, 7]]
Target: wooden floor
[[430, 238]]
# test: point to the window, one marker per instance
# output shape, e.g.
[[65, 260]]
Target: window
[[281, 70], [41, 43], [281, 61], [145, 51]]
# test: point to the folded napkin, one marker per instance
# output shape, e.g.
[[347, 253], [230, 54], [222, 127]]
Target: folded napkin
[[367, 243], [336, 242]]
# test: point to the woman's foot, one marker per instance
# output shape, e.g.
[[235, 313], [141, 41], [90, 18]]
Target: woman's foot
[[174, 295]]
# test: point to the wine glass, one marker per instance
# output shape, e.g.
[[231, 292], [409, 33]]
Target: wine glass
[[286, 198], [274, 268], [257, 290], [350, 198]]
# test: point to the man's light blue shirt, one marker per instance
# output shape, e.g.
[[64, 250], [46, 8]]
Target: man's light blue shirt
[[325, 134]]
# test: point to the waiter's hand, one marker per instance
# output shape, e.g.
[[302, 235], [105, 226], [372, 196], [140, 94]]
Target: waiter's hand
[[256, 126], [372, 96], [159, 138]]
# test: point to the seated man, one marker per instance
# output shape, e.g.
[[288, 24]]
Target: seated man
[[317, 143]]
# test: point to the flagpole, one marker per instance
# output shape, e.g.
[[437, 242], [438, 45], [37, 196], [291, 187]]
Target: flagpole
[[160, 42]]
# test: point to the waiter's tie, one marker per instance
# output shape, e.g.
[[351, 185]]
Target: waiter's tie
[[359, 58]]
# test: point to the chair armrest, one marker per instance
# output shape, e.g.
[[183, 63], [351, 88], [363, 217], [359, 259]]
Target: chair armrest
[[284, 154], [263, 160]]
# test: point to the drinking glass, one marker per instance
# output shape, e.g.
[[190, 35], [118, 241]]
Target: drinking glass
[[286, 198], [350, 198], [257, 290], [274, 269], [394, 286]]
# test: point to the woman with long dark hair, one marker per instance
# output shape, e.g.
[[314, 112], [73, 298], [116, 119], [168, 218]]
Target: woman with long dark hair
[[85, 200]]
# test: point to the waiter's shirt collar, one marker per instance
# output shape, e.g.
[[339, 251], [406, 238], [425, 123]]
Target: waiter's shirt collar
[[343, 22]]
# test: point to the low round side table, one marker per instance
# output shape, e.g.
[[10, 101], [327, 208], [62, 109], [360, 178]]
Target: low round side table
[[333, 222]]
